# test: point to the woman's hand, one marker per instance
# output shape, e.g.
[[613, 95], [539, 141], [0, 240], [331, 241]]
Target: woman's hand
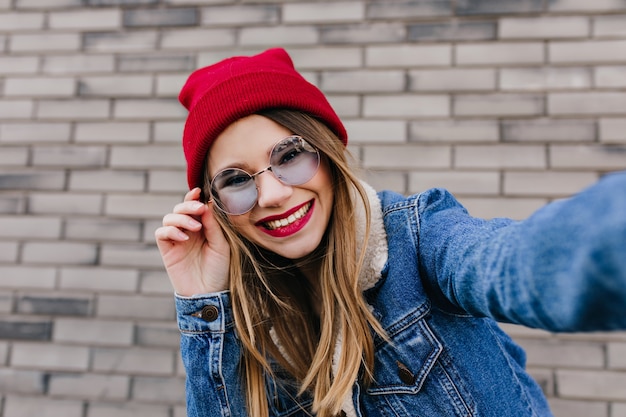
[[195, 253]]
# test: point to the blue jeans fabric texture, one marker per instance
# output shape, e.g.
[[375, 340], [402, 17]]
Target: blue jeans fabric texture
[[448, 279]]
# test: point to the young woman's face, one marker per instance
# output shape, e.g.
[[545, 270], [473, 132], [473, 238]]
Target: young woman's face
[[289, 220]]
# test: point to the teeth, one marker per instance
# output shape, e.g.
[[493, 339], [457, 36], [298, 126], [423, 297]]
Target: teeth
[[275, 224]]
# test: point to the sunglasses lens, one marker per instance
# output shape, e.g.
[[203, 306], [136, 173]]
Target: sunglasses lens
[[294, 161], [234, 191]]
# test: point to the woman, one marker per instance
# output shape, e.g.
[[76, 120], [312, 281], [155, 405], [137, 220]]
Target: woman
[[300, 291]]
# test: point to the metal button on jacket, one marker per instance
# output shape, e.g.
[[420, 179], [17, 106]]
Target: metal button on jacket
[[405, 374], [209, 313]]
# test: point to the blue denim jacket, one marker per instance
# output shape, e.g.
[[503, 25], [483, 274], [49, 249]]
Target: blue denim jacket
[[448, 278]]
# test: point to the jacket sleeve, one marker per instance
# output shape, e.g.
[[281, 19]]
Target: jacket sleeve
[[562, 269], [211, 355]]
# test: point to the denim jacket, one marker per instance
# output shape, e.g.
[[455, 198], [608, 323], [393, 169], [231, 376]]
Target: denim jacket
[[444, 278]]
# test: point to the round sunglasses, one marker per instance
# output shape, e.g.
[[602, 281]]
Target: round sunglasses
[[293, 161]]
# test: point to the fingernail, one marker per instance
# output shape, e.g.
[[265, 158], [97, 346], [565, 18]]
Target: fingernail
[[194, 223]]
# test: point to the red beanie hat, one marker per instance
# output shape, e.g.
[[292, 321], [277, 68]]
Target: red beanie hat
[[222, 93]]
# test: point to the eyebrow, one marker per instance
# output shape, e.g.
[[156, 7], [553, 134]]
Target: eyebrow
[[244, 166]]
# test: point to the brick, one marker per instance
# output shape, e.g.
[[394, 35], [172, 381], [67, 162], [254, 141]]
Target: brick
[[547, 183], [131, 256], [609, 26], [107, 181], [595, 385], [613, 131], [452, 80], [120, 2], [120, 41], [363, 33], [115, 86], [498, 105], [198, 38], [134, 18], [610, 77], [452, 31], [127, 409], [385, 180], [42, 87], [169, 85], [8, 254], [30, 227], [59, 253], [25, 329], [327, 58], [18, 64], [140, 306], [477, 7], [167, 181], [13, 156], [70, 156], [544, 27], [112, 132], [86, 19], [584, 6], [32, 180], [155, 282], [382, 9], [44, 42], [15, 22], [548, 130], [514, 208], [501, 53], [572, 408], [65, 203], [345, 105], [16, 109], [158, 334], [340, 11], [586, 103], [42, 406], [78, 64], [587, 52], [616, 353], [158, 389], [406, 105], [73, 109], [385, 131], [457, 182], [34, 132], [618, 410], [566, 354], [500, 156], [545, 78], [408, 55], [142, 63], [27, 277], [101, 387], [362, 81], [158, 156], [6, 306], [588, 157], [51, 304], [21, 381], [98, 279], [273, 35], [398, 157], [454, 131], [133, 361], [52, 4], [151, 225], [93, 331], [545, 380], [240, 15], [12, 204], [48, 356], [148, 109]]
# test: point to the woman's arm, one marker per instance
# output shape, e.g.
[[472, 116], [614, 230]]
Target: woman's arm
[[562, 269]]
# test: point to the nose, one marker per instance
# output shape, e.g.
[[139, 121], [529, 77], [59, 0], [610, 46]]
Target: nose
[[271, 192]]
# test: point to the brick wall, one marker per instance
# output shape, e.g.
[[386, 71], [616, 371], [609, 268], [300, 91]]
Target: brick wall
[[508, 103]]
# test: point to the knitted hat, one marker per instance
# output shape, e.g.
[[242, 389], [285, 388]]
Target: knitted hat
[[222, 93]]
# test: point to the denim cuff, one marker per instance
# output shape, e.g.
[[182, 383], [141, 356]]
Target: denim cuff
[[207, 313]]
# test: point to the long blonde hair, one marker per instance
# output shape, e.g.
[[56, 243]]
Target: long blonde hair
[[274, 316]]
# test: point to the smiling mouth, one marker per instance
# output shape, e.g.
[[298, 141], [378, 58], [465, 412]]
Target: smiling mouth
[[292, 218]]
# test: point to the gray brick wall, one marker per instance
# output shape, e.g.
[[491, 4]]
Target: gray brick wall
[[508, 103]]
